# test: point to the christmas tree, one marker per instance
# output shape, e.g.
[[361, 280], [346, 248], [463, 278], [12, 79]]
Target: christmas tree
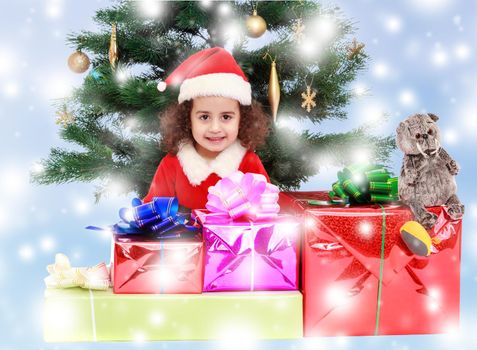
[[114, 115]]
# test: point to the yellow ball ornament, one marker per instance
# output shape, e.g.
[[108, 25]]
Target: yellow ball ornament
[[416, 238], [78, 62], [256, 25]]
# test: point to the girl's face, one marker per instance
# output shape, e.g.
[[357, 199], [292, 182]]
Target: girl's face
[[215, 124]]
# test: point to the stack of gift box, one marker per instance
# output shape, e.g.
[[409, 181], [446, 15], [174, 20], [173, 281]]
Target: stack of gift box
[[244, 269]]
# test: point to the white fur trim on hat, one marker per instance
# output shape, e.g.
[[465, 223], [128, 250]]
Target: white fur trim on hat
[[217, 84], [197, 169]]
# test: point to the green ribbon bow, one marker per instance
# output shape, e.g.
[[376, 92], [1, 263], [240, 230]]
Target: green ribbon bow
[[365, 184]]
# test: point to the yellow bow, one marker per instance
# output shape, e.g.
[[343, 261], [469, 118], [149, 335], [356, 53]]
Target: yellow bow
[[62, 275]]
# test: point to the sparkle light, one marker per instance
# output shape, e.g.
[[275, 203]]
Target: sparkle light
[[380, 70], [468, 114], [11, 89], [237, 337], [13, 182], [439, 58], [324, 28], [26, 252], [336, 296], [462, 52], [407, 97], [116, 188], [178, 256], [450, 136], [37, 168], [361, 156], [57, 86], [224, 9], [359, 89], [206, 3], [310, 223], [47, 244], [373, 113], [54, 8], [150, 8], [365, 229], [128, 215], [139, 338], [60, 316], [122, 75], [308, 48], [232, 32], [393, 24], [81, 206], [156, 318]]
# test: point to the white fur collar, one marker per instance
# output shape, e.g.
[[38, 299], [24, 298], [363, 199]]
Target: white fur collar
[[197, 169]]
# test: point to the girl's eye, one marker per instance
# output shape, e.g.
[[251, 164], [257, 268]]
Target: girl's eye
[[227, 117], [430, 132], [418, 136], [204, 117]]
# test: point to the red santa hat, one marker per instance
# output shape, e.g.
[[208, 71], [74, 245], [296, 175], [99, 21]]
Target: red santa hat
[[210, 72]]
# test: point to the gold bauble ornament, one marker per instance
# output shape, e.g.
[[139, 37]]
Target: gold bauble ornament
[[256, 25], [113, 48], [274, 91], [78, 62]]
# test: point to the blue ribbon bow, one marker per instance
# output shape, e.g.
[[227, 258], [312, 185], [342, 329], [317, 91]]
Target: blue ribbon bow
[[158, 218]]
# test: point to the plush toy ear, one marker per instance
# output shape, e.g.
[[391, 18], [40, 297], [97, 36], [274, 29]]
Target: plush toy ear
[[400, 128], [433, 116]]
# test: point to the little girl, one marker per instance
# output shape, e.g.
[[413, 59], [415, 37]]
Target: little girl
[[211, 132]]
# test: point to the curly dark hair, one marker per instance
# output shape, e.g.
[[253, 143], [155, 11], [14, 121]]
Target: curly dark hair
[[175, 126]]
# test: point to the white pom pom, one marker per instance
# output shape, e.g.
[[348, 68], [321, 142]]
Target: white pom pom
[[161, 86]]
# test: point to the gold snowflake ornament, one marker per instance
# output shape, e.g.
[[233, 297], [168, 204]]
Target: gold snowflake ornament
[[308, 99], [355, 49], [298, 30], [64, 117]]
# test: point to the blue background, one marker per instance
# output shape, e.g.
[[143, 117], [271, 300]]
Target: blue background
[[423, 57]]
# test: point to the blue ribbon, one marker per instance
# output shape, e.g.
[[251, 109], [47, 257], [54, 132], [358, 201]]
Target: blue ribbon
[[158, 218]]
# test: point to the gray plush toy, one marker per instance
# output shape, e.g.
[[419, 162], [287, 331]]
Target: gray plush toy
[[427, 174]]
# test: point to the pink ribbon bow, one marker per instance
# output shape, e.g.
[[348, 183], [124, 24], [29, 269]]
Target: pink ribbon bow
[[242, 195]]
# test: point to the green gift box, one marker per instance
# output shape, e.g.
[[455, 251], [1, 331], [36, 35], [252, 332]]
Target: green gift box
[[73, 315]]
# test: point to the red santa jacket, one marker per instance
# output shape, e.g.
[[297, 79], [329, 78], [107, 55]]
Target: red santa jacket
[[188, 176]]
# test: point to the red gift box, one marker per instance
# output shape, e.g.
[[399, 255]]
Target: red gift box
[[354, 283], [143, 265]]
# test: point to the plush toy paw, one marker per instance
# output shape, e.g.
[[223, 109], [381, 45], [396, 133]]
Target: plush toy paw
[[428, 220], [416, 238], [456, 211], [453, 167]]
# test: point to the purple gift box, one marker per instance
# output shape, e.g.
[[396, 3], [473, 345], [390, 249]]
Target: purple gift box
[[250, 255]]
